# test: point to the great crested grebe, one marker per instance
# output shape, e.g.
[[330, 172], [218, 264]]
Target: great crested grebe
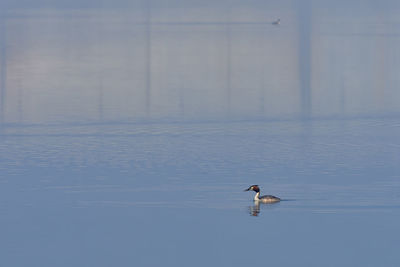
[[263, 199]]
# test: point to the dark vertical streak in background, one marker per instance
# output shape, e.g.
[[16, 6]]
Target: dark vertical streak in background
[[228, 63], [3, 66], [263, 83], [304, 19], [228, 68], [148, 57], [101, 97], [101, 74], [182, 101]]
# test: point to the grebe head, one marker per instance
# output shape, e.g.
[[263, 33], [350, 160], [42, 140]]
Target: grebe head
[[254, 188]]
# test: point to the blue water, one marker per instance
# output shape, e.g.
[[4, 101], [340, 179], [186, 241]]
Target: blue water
[[129, 130], [171, 194]]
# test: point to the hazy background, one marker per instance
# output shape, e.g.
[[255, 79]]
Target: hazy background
[[129, 130], [93, 61]]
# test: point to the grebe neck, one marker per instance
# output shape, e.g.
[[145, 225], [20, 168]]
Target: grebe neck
[[257, 196]]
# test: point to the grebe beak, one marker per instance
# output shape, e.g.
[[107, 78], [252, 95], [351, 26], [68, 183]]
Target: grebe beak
[[248, 189]]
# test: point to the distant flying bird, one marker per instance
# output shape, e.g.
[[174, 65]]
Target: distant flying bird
[[276, 22]]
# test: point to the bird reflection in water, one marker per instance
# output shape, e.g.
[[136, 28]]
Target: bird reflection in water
[[255, 209]]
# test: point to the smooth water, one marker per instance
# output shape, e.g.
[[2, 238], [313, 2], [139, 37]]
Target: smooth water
[[172, 194], [129, 130]]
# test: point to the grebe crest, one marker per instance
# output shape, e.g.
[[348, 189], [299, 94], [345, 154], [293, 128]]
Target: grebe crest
[[262, 199]]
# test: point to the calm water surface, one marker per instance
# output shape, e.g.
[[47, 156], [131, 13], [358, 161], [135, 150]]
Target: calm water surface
[[129, 130], [171, 194]]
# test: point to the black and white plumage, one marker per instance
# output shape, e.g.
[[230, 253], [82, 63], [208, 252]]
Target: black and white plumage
[[262, 199]]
